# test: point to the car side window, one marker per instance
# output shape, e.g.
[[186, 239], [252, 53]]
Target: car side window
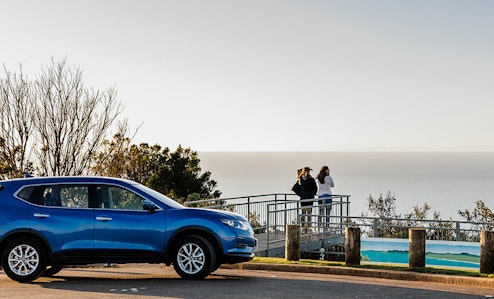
[[70, 196], [113, 197]]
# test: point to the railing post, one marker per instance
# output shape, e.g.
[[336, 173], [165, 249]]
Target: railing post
[[248, 207], [376, 227], [347, 205], [341, 215], [267, 231], [458, 234], [285, 212], [275, 214]]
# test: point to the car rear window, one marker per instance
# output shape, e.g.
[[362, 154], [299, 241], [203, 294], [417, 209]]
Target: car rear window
[[25, 193]]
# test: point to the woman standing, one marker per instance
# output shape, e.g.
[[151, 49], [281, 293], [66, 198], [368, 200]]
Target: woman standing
[[324, 196], [306, 188]]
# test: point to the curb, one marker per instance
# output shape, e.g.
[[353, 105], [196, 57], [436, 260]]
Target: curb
[[374, 273]]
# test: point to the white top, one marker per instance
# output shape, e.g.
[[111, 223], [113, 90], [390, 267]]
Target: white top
[[326, 187]]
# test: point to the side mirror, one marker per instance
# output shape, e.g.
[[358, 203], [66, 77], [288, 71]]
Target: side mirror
[[148, 205]]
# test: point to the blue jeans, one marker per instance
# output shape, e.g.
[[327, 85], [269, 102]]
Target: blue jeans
[[325, 204]]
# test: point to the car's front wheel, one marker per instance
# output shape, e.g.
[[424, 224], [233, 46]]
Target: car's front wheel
[[24, 259], [194, 258]]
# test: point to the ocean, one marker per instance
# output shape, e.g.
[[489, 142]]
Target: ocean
[[448, 181]]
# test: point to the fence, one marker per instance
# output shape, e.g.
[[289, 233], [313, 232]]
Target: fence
[[254, 207], [269, 214], [312, 223]]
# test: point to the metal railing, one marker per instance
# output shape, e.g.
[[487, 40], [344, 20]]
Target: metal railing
[[254, 207], [311, 223], [270, 213]]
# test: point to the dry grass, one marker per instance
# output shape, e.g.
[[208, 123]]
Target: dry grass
[[431, 270]]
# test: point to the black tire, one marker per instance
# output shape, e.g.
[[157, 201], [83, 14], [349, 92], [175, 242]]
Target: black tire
[[194, 258], [24, 259], [52, 270], [216, 266]]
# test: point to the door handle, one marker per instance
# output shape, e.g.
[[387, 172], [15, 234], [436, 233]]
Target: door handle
[[41, 215], [103, 218]]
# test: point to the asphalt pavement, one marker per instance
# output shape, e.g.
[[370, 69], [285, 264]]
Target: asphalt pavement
[[159, 281]]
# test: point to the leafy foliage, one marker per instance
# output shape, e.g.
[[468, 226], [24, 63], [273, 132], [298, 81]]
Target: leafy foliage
[[119, 158], [391, 224], [182, 176], [480, 213], [176, 174], [383, 207], [482, 218]]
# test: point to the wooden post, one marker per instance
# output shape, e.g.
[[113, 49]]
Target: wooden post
[[352, 246], [416, 248], [487, 252], [292, 242]]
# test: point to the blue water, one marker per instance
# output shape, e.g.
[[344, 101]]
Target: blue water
[[381, 250]]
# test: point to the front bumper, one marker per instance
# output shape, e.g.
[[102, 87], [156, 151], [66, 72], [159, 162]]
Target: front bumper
[[242, 252], [244, 242], [237, 258]]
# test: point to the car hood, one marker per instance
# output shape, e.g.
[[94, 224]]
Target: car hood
[[213, 213]]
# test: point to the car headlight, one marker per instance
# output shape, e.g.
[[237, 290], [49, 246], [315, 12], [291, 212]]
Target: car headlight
[[243, 225]]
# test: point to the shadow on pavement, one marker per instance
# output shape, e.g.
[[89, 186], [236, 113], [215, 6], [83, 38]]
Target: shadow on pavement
[[231, 286]]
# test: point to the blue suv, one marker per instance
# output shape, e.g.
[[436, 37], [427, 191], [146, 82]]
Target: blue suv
[[47, 223]]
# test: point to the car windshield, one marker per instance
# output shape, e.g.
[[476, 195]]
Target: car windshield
[[155, 194]]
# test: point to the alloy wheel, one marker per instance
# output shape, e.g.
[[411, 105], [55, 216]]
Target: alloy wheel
[[191, 258], [23, 260]]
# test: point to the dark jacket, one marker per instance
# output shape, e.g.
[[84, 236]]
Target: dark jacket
[[305, 189]]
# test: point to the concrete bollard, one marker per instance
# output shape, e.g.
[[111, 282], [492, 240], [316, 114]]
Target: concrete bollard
[[416, 248], [292, 242], [487, 252], [352, 246]]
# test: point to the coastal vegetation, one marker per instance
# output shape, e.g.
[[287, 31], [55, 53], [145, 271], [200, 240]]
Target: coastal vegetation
[[395, 225], [176, 174], [56, 125]]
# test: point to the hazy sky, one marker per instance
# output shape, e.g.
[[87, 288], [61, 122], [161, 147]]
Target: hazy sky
[[276, 75]]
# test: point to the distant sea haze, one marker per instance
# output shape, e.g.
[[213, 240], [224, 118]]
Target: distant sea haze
[[448, 181]]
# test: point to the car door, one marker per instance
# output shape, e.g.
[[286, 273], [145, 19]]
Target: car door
[[122, 224], [62, 215]]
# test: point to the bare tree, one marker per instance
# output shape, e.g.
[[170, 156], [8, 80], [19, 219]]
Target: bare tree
[[16, 124], [71, 120]]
